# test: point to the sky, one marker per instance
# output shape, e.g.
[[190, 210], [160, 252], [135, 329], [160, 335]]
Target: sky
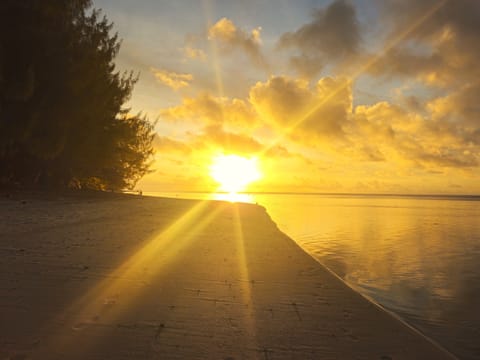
[[368, 96]]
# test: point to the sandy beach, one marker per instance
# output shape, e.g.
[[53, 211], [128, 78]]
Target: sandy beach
[[134, 277]]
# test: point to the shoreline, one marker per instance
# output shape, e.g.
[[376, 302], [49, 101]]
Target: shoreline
[[391, 313], [182, 278]]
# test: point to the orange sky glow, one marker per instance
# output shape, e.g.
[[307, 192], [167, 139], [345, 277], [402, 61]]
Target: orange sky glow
[[333, 96]]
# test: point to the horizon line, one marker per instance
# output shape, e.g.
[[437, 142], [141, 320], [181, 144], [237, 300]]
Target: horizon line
[[315, 193]]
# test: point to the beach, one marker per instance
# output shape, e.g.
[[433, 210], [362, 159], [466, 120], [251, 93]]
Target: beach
[[106, 276]]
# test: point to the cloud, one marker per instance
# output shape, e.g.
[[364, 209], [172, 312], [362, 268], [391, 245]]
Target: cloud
[[314, 126], [404, 62], [459, 107], [332, 36], [441, 133], [436, 44], [231, 38], [194, 53], [165, 144], [407, 139], [215, 136], [239, 143], [172, 79], [317, 112], [281, 99], [438, 41], [310, 111], [211, 110], [211, 138]]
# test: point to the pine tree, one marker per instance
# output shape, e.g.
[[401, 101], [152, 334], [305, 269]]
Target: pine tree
[[62, 120]]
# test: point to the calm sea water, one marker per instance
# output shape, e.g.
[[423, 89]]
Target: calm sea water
[[418, 256]]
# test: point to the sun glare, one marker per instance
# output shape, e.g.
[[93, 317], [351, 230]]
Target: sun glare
[[234, 173]]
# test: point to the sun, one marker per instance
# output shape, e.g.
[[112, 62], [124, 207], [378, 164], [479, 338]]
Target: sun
[[233, 172]]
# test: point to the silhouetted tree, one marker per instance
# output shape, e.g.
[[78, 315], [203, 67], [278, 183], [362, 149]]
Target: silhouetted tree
[[62, 121]]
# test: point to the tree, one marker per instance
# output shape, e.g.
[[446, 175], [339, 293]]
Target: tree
[[62, 116]]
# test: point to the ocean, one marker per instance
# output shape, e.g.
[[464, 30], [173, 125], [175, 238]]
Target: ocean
[[417, 256]]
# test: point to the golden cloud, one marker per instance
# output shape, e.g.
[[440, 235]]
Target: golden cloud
[[216, 138], [293, 106], [194, 53], [459, 107], [321, 116], [165, 144], [211, 110], [318, 129], [172, 79], [230, 38], [409, 139]]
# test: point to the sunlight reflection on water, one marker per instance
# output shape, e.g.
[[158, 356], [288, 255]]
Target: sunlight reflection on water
[[221, 196], [233, 197], [417, 256]]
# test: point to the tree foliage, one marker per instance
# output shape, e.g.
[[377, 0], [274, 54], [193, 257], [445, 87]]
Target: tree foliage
[[62, 120]]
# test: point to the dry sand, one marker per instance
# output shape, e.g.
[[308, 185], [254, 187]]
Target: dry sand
[[130, 277]]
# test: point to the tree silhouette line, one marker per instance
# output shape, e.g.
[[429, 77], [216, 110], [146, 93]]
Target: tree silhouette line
[[63, 122]]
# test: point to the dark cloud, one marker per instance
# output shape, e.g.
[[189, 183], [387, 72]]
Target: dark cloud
[[332, 35], [427, 18], [306, 65], [435, 41], [399, 61]]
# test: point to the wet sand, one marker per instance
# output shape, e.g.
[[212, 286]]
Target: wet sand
[[131, 277]]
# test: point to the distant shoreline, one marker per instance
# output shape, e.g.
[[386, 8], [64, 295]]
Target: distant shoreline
[[426, 196], [96, 193]]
